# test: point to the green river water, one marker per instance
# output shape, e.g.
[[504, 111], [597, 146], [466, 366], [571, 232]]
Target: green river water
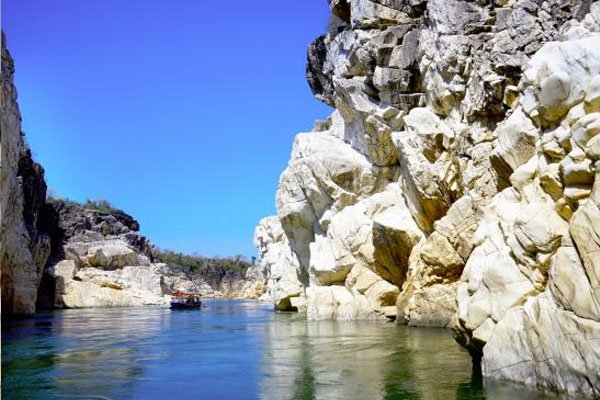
[[233, 350]]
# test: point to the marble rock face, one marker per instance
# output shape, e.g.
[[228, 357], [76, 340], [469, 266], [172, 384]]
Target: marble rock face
[[101, 260], [25, 241], [93, 287], [455, 184]]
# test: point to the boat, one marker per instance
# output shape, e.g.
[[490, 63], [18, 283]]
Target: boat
[[185, 301]]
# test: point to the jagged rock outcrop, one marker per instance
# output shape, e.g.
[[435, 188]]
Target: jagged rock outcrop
[[25, 241], [100, 259], [456, 182], [529, 290], [278, 266]]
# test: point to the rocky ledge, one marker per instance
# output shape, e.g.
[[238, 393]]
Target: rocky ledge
[[101, 260], [456, 183]]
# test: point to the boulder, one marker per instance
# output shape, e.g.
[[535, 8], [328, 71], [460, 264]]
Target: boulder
[[111, 256]]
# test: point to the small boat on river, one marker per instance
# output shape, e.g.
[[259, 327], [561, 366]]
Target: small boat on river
[[185, 301]]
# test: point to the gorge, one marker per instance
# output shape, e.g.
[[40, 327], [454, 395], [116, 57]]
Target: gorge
[[455, 185], [61, 254]]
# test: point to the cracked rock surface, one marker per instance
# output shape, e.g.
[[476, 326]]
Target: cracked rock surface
[[455, 184]]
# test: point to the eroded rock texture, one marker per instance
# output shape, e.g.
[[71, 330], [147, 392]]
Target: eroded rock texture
[[25, 242], [99, 259], [456, 182]]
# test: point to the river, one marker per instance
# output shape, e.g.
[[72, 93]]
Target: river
[[233, 350]]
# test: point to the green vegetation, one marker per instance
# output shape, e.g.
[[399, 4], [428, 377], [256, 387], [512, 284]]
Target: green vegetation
[[58, 200], [198, 263], [98, 204]]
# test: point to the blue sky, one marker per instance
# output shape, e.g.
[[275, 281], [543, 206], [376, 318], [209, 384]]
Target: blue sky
[[180, 112]]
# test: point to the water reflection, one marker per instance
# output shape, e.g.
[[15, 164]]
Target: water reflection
[[233, 350], [68, 353], [329, 360]]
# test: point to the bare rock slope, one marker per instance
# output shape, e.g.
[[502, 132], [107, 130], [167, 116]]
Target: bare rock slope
[[455, 184]]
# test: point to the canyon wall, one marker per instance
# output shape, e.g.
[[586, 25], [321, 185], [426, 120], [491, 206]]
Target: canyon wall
[[24, 241], [455, 184]]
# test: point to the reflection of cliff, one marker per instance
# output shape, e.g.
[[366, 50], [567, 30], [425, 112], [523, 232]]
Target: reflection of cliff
[[286, 368], [67, 358], [330, 360], [107, 362], [101, 362]]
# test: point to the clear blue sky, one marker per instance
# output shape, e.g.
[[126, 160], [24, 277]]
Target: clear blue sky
[[180, 112]]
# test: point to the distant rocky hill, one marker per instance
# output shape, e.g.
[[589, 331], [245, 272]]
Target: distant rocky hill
[[230, 277], [100, 259], [456, 183]]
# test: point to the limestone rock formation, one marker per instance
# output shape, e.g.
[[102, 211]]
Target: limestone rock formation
[[455, 184], [100, 259], [528, 293], [25, 241]]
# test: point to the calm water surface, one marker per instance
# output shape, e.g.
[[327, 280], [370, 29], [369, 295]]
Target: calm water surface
[[232, 350]]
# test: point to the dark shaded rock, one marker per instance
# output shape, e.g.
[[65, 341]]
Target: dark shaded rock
[[34, 187], [319, 83], [340, 8], [85, 223], [25, 244]]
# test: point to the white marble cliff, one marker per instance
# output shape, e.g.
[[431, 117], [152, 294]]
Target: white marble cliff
[[456, 183]]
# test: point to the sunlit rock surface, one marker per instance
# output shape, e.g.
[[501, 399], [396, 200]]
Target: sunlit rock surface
[[455, 184], [100, 259]]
